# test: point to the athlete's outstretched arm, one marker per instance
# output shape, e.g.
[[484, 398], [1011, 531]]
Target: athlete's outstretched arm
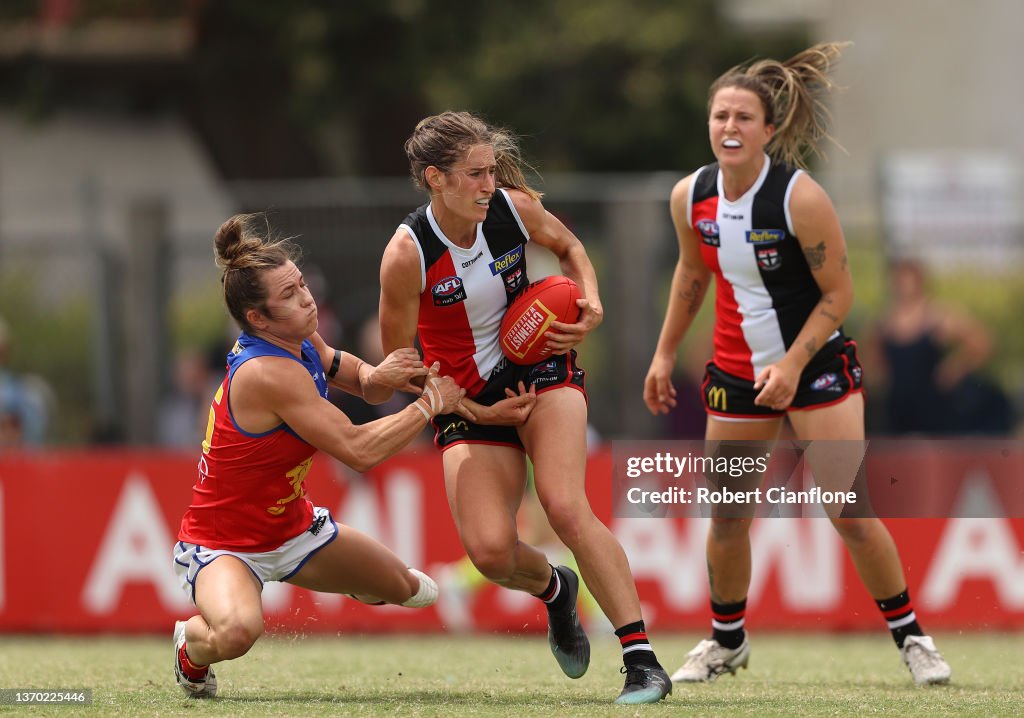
[[821, 238], [690, 283], [374, 384], [275, 390], [546, 230]]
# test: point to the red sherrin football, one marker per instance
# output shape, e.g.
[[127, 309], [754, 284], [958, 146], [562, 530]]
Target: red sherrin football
[[552, 299]]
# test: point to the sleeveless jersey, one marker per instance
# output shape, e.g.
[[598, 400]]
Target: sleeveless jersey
[[764, 290], [249, 495], [464, 292]]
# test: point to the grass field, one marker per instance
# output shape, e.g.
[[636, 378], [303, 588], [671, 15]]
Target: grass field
[[791, 675]]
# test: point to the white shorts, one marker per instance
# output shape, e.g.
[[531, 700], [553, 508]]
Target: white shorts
[[278, 565]]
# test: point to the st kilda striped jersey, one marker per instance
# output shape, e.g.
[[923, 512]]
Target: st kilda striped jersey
[[464, 292], [764, 290]]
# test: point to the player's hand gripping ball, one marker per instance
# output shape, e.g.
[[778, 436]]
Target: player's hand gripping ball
[[552, 299]]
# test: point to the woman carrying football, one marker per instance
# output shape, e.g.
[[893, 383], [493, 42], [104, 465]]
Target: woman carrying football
[[448, 274], [771, 237]]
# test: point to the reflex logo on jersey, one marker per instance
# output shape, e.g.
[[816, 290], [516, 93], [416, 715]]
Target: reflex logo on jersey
[[768, 258], [709, 233], [765, 236], [507, 260], [448, 291]]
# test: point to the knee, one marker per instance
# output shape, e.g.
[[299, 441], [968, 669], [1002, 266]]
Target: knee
[[235, 639], [495, 560], [568, 520], [855, 531], [724, 530]]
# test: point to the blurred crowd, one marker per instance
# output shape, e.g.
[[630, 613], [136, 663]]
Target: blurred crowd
[[926, 363]]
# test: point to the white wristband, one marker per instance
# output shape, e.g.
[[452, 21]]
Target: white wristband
[[426, 414]]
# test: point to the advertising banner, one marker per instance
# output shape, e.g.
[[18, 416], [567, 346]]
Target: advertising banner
[[86, 541]]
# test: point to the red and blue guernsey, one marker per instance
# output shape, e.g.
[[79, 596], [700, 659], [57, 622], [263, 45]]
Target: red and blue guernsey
[[764, 290], [249, 495], [464, 292]]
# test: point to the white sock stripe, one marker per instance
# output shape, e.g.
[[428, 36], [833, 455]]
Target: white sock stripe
[[638, 647], [730, 626], [900, 622], [558, 587]]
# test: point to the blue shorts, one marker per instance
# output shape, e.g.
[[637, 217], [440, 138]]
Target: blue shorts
[[554, 373]]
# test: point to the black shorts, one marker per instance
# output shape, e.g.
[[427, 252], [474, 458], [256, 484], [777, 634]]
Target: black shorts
[[553, 373], [832, 375]]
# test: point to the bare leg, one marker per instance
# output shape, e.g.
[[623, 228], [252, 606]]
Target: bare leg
[[555, 438], [870, 545], [358, 564], [485, 486], [728, 544], [231, 612]]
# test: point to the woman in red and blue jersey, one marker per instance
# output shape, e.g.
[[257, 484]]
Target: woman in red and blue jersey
[[250, 520]]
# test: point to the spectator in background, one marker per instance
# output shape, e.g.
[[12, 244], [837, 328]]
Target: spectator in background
[[183, 414], [929, 356], [26, 402]]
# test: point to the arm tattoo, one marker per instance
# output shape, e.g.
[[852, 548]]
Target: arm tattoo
[[811, 347], [828, 300], [843, 263], [815, 256], [692, 295]]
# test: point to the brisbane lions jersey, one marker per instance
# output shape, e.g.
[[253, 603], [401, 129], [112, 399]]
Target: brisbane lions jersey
[[249, 495], [464, 292], [764, 290]]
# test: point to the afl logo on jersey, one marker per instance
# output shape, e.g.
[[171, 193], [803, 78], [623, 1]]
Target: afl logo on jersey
[[507, 261], [765, 236], [709, 234], [768, 258], [448, 291]]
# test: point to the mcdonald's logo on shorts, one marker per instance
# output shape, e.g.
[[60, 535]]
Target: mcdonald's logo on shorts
[[717, 398]]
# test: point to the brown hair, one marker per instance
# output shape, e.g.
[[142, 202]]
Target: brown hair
[[244, 255], [440, 140], [793, 95]]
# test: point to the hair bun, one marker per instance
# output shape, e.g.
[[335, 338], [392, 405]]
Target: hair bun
[[227, 241]]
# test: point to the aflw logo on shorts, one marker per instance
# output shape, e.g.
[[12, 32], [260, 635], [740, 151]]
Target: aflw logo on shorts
[[528, 328]]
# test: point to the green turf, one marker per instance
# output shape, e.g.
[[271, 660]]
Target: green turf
[[791, 675]]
